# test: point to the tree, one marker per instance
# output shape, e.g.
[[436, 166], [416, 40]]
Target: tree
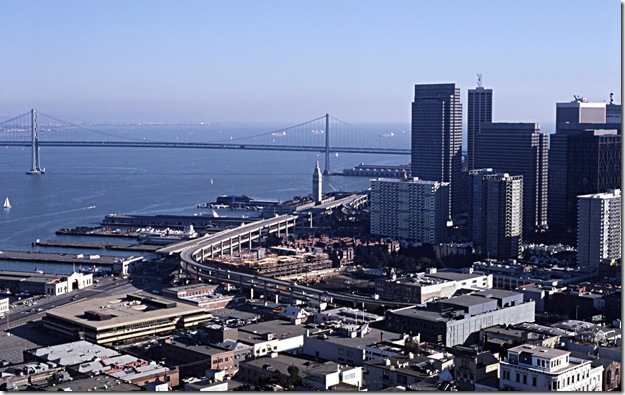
[[294, 378]]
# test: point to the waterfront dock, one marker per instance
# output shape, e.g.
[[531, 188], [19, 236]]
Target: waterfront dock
[[98, 231], [97, 246], [79, 259]]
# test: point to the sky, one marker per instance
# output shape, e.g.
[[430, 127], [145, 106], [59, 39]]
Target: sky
[[292, 61]]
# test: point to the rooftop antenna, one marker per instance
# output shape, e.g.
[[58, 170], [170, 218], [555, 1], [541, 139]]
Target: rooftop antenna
[[611, 98], [479, 80]]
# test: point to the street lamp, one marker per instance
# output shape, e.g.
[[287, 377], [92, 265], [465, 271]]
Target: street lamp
[[576, 308]]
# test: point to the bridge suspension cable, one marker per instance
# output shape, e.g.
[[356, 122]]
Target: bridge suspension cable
[[32, 129]]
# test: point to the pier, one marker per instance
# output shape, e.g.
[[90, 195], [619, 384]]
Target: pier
[[114, 263], [98, 246]]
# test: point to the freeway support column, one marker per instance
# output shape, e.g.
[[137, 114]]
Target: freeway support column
[[239, 245], [252, 292], [221, 249], [249, 235]]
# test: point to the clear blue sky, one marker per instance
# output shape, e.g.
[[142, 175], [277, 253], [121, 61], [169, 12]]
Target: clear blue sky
[[235, 60]]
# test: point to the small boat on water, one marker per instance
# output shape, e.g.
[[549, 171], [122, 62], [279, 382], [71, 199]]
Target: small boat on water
[[5, 291], [7, 204], [24, 294]]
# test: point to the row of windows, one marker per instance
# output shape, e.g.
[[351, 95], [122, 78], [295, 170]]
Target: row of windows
[[506, 376]]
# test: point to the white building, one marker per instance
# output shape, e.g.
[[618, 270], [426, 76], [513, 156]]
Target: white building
[[324, 377], [598, 228], [538, 369], [4, 306], [272, 337], [410, 208], [317, 184]]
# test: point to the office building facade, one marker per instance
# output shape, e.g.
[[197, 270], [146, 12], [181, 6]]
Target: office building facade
[[410, 209], [519, 149], [599, 236], [583, 160], [479, 110], [437, 137], [580, 118]]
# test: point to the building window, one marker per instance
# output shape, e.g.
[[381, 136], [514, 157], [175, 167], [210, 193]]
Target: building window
[[524, 379], [518, 377], [534, 381]]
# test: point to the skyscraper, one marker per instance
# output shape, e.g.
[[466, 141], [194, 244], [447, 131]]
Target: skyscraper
[[502, 216], [410, 209], [584, 158], [579, 111], [476, 180], [437, 137], [479, 110], [612, 112], [520, 149], [599, 236]]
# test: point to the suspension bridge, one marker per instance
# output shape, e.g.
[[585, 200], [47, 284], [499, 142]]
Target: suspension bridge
[[325, 134]]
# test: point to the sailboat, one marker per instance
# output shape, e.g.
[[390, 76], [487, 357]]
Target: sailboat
[[7, 204], [211, 181]]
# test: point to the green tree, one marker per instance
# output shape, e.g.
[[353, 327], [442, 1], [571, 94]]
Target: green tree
[[294, 378]]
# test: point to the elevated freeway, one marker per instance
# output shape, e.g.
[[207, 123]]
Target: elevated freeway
[[193, 254]]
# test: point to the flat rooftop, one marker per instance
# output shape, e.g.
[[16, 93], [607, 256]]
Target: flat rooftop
[[454, 276], [466, 301], [123, 311], [280, 329], [497, 293], [538, 351], [423, 314], [372, 337], [73, 353], [97, 383]]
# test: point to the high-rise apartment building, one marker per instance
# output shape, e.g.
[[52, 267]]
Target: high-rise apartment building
[[519, 149], [502, 216], [479, 110], [476, 179], [437, 137], [410, 209], [599, 236]]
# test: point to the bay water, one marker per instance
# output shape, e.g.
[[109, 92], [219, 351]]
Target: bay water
[[82, 185]]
